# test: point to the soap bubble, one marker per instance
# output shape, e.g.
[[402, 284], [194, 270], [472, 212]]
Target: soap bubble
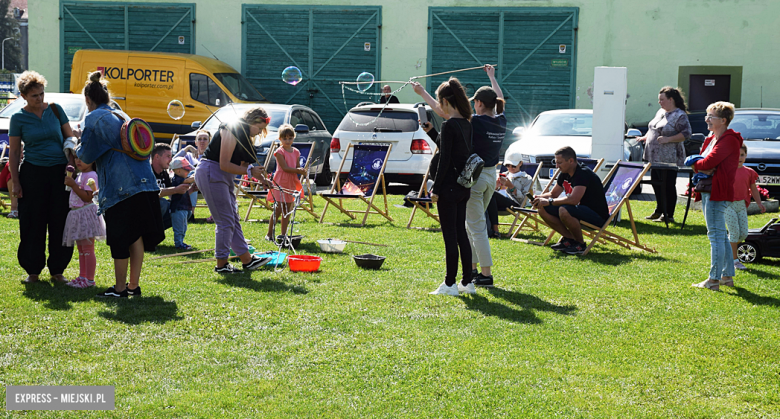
[[292, 75], [176, 109], [364, 81]]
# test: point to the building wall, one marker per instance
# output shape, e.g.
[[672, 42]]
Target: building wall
[[651, 39]]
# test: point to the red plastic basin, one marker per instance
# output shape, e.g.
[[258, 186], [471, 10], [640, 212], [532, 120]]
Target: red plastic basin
[[304, 263]]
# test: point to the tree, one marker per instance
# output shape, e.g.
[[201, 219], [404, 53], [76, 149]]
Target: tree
[[9, 28]]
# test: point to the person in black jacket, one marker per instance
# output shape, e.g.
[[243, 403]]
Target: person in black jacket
[[449, 196]]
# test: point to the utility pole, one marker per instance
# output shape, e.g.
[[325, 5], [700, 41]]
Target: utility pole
[[3, 46]]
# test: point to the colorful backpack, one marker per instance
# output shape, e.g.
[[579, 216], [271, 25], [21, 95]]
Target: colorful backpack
[[137, 138]]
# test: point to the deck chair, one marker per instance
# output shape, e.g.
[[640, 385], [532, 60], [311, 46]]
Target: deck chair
[[255, 191], [423, 203], [366, 175], [3, 162], [530, 217], [532, 170]]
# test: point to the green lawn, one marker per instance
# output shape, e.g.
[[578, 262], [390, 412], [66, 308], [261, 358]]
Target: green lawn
[[616, 333]]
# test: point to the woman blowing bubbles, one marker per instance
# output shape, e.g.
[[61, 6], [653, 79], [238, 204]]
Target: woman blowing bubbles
[[450, 198]]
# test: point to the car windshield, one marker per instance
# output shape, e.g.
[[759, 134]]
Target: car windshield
[[73, 106], [753, 126], [563, 124], [229, 114], [240, 87], [386, 122]]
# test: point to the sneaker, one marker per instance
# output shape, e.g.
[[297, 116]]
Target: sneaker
[[562, 244], [111, 292], [210, 219], [79, 282], [255, 263], [575, 249], [482, 280], [654, 216], [183, 246], [227, 269], [134, 292], [739, 265], [445, 290], [90, 283], [468, 289], [13, 214]]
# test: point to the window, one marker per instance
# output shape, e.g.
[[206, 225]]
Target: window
[[205, 90], [386, 122], [296, 118], [240, 87], [309, 120]]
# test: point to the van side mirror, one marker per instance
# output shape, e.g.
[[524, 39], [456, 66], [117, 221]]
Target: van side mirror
[[301, 129], [195, 125]]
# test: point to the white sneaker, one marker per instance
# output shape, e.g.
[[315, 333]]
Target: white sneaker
[[445, 290], [468, 289], [739, 265]]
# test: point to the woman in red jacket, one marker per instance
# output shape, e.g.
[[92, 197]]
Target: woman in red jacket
[[721, 158]]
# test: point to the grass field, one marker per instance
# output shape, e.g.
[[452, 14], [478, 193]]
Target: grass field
[[616, 333]]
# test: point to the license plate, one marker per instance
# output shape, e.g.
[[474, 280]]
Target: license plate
[[373, 143], [768, 180], [552, 172]]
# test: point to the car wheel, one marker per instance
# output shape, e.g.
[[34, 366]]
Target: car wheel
[[324, 178], [748, 253]]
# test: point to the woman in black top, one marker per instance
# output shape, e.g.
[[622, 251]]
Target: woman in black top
[[450, 198], [231, 153]]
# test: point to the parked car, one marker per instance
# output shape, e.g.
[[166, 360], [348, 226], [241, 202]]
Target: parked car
[[761, 130], [398, 125], [73, 104], [760, 242], [698, 129], [552, 130], [308, 125]]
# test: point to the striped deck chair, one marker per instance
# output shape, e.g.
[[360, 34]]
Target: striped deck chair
[[366, 174]]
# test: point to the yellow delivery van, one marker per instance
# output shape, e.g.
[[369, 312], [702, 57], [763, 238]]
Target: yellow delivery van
[[144, 83]]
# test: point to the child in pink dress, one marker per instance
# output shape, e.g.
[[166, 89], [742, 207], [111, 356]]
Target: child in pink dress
[[288, 168], [83, 224]]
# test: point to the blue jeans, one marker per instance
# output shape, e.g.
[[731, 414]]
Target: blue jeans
[[179, 221], [165, 206], [721, 263]]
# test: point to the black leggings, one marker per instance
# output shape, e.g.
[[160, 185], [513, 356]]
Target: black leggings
[[452, 215], [498, 202], [667, 190], [43, 206]]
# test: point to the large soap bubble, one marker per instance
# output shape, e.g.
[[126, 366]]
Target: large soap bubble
[[292, 75], [364, 81], [176, 109]]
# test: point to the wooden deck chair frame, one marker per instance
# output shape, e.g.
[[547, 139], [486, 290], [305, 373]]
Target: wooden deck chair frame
[[336, 185], [307, 200], [252, 192], [531, 217], [423, 203]]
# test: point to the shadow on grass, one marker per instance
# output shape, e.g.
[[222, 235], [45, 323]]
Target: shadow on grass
[[138, 310], [57, 296], [755, 268], [264, 285], [756, 299], [660, 229], [522, 308]]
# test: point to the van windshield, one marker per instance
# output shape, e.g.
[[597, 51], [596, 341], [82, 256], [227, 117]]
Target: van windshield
[[240, 87]]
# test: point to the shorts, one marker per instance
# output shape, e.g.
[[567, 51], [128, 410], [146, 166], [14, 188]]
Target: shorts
[[580, 212], [136, 217]]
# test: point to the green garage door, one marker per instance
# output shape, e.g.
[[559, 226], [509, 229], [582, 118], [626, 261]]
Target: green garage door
[[327, 43], [533, 47], [124, 26]]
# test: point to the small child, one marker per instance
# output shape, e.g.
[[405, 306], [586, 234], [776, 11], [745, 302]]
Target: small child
[[181, 204], [288, 168], [736, 214], [6, 185], [83, 224]]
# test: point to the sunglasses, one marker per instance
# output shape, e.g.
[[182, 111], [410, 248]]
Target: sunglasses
[[511, 165]]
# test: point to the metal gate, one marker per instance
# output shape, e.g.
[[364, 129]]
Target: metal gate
[[327, 43], [534, 47], [124, 26]]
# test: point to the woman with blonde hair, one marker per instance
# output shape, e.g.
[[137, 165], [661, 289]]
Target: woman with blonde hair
[[39, 182], [231, 153], [721, 158]]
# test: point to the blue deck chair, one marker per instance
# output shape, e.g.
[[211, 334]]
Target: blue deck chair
[[366, 174]]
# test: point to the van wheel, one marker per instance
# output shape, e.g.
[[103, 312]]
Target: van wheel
[[324, 178], [748, 253]]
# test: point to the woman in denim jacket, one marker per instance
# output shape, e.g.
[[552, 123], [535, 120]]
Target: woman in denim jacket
[[128, 195]]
